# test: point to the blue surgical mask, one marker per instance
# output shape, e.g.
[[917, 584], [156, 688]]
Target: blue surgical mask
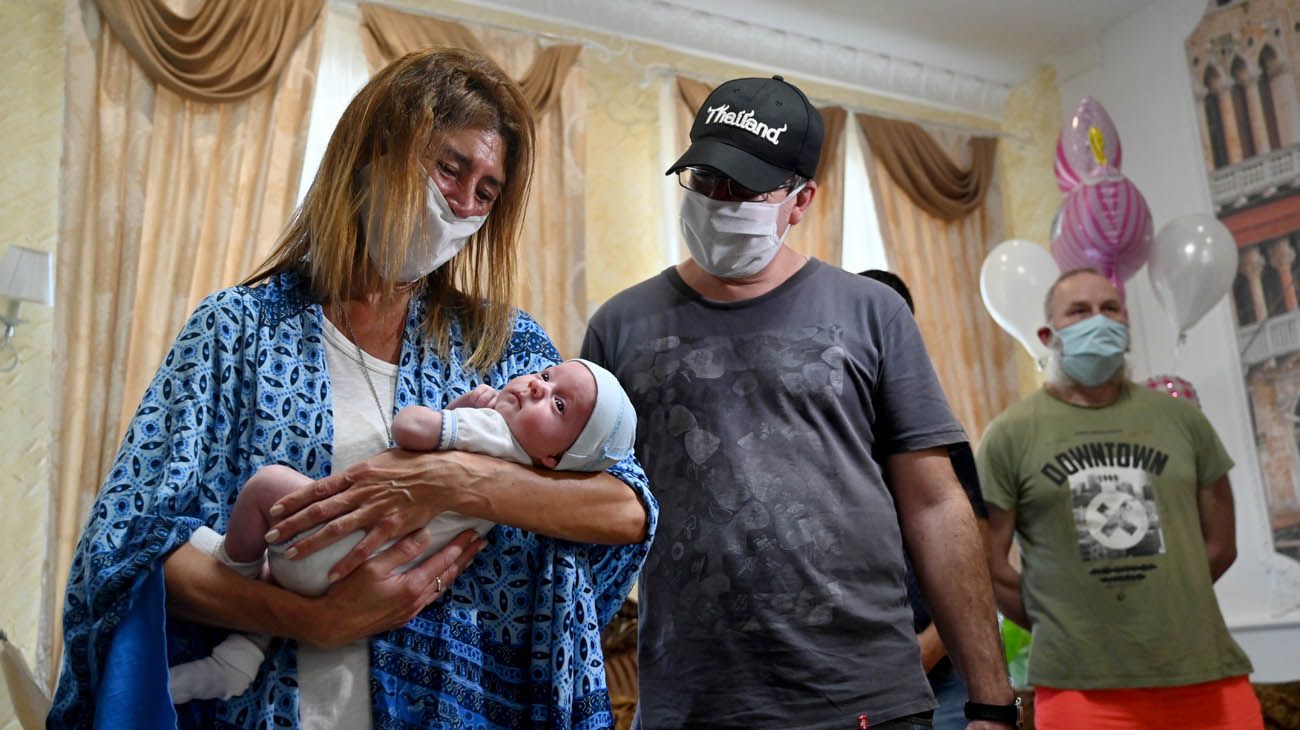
[[1093, 350]]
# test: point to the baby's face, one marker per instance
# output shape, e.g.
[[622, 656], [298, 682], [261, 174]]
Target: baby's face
[[546, 411]]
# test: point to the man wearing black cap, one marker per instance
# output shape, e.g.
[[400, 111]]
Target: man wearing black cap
[[774, 595]]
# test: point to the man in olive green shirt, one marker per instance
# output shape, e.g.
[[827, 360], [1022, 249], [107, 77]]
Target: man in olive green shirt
[[1120, 501]]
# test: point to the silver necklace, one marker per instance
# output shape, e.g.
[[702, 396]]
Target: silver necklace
[[365, 371]]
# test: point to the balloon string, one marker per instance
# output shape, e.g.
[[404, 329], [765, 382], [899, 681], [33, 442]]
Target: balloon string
[[1178, 349]]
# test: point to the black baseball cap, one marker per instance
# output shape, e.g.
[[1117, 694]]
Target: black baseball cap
[[758, 132]]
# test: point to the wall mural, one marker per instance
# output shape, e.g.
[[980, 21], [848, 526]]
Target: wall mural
[[1242, 58]]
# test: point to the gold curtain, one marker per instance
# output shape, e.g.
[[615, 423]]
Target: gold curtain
[[228, 50], [552, 246], [165, 199], [940, 258], [919, 166], [821, 231], [29, 700]]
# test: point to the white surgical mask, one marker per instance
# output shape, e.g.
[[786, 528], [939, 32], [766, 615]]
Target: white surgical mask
[[438, 235], [729, 239]]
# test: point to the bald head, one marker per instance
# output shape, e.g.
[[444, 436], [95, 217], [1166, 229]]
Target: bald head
[[1078, 295], [1051, 290]]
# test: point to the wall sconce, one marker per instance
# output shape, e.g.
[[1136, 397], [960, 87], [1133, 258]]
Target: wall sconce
[[26, 275]]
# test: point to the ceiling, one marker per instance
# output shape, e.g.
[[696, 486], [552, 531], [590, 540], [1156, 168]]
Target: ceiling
[[964, 55], [1001, 40]]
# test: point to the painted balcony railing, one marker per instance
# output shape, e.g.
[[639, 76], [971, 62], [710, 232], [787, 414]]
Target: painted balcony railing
[[1274, 337], [1260, 175]]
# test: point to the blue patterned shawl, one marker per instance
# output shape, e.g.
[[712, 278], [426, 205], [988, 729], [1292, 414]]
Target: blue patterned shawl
[[516, 643]]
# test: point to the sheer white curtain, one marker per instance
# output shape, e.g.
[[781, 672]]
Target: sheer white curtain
[[343, 71], [864, 246]]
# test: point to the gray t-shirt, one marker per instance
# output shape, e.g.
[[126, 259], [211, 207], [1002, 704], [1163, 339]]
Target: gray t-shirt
[[774, 594]]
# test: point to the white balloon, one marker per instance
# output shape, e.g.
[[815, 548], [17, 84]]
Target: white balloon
[[1191, 266], [1014, 281]]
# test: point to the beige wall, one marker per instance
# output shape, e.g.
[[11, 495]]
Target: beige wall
[[624, 226], [31, 118], [1032, 118]]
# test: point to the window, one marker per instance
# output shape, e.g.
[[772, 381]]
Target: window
[[863, 247], [343, 71], [1269, 70], [1241, 109], [1214, 119]]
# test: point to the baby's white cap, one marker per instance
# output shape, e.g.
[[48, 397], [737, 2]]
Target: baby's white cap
[[610, 432]]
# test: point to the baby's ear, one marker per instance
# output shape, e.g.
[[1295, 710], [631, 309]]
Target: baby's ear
[[550, 462]]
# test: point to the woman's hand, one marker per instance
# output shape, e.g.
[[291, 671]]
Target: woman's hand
[[374, 599], [389, 495], [371, 600], [393, 493]]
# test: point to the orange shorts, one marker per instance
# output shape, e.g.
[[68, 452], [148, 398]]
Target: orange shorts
[[1224, 704]]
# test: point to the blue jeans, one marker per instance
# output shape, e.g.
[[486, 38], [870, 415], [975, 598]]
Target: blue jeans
[[950, 693]]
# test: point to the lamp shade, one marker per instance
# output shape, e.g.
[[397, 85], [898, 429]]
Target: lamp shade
[[27, 274]]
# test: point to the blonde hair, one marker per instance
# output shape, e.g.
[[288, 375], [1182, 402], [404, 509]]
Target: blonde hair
[[399, 117]]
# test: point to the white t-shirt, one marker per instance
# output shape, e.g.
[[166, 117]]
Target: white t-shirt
[[334, 684]]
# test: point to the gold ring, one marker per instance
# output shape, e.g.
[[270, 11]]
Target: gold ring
[[437, 583]]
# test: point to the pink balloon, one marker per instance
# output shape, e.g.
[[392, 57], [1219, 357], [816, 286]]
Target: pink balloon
[[1174, 386], [1066, 180], [1105, 225], [1076, 161]]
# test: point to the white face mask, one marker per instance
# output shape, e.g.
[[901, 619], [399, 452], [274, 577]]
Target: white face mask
[[437, 236], [732, 240]]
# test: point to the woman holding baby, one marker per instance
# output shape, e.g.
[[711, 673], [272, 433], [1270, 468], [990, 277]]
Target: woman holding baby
[[388, 289]]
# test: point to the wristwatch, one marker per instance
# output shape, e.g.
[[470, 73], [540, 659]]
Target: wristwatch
[[1009, 714]]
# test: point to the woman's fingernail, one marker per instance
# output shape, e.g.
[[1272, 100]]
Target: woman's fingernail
[[332, 577], [276, 510], [272, 537], [291, 553]]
